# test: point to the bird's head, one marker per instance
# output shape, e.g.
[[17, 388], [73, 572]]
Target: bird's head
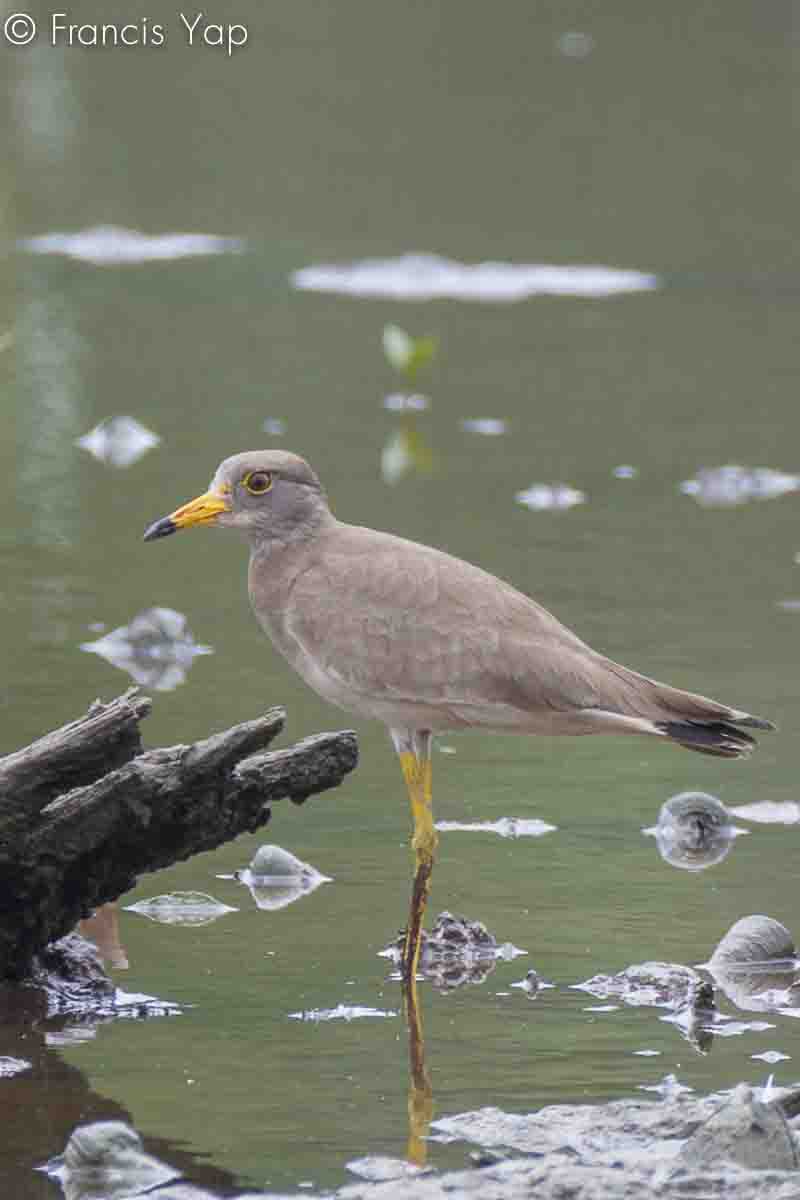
[[268, 495]]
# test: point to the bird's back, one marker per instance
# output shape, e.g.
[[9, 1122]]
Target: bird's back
[[411, 635]]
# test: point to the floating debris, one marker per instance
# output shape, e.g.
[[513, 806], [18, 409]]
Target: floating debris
[[429, 276], [532, 984], [669, 1087], [788, 605], [625, 472], [602, 1008], [274, 426], [118, 441], [275, 878], [138, 1005], [725, 487], [737, 1028], [507, 827], [404, 402], [405, 353], [155, 648], [342, 1012], [575, 44], [13, 1066], [694, 831], [772, 1057], [647, 1053], [181, 908], [75, 1033], [109, 245], [769, 812], [541, 497], [486, 426]]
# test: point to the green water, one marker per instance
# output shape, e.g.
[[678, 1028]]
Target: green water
[[345, 132]]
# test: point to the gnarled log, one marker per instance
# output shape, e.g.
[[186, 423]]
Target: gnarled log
[[84, 810]]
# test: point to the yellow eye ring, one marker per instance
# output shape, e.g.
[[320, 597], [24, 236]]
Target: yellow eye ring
[[258, 483]]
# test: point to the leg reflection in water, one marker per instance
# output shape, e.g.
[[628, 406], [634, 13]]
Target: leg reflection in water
[[420, 1094]]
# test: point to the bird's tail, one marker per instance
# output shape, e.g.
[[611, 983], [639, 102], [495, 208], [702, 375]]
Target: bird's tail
[[720, 738], [692, 721]]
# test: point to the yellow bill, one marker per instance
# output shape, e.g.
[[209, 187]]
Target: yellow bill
[[203, 510]]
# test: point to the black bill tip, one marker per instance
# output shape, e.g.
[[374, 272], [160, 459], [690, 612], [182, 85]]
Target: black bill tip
[[159, 529]]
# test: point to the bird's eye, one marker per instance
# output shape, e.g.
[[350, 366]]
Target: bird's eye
[[257, 482]]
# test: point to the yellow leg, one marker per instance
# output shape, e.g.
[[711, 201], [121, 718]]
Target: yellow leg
[[414, 750], [415, 761]]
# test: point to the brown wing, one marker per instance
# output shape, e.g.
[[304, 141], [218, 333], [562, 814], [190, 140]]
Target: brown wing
[[407, 622]]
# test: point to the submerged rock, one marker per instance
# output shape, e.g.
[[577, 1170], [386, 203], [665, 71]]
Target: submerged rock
[[455, 952], [627, 1150], [756, 966], [694, 831], [181, 908], [664, 985], [752, 941], [668, 985], [276, 878], [70, 972], [107, 1159], [744, 1131], [156, 648]]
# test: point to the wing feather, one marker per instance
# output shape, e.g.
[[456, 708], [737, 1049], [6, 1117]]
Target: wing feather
[[406, 622]]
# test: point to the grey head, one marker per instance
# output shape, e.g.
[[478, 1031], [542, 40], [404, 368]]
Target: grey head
[[267, 495]]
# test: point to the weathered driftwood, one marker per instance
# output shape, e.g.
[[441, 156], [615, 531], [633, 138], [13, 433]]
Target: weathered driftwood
[[84, 810]]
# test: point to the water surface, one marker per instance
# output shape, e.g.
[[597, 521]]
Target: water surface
[[340, 135]]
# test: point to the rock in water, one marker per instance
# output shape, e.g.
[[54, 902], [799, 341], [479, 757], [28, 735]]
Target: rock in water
[[743, 1131]]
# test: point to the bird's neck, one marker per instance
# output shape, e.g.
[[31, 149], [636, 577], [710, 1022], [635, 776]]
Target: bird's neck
[[275, 564], [276, 541]]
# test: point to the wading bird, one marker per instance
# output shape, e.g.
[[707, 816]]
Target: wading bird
[[425, 642]]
